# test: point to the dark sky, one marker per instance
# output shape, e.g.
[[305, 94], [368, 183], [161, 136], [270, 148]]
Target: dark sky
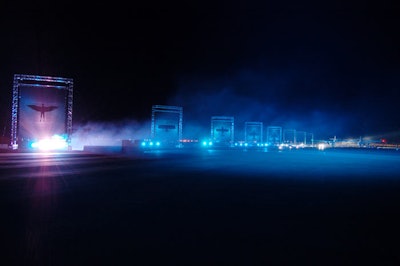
[[329, 69]]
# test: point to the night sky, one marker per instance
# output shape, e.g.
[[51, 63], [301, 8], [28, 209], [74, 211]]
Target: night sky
[[328, 69]]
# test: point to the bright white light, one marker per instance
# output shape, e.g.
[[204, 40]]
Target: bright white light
[[34, 144], [321, 146], [54, 143]]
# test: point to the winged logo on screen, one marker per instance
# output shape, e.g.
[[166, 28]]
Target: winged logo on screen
[[222, 130], [42, 109]]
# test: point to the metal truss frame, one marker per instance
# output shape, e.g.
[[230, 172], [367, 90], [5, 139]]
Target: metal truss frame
[[226, 119], [166, 109], [286, 139], [271, 129], [253, 124], [42, 81], [301, 137], [311, 138]]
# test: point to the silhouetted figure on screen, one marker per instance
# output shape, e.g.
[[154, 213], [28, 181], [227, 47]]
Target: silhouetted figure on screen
[[222, 130], [42, 109]]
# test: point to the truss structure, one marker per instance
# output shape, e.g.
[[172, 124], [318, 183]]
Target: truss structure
[[40, 81], [176, 112], [274, 135], [253, 132], [289, 136], [222, 129], [301, 137]]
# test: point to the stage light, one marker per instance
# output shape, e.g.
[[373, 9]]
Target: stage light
[[321, 146], [207, 143], [34, 144], [56, 142]]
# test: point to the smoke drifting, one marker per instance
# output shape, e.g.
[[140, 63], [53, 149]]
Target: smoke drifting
[[301, 100], [108, 133], [251, 96]]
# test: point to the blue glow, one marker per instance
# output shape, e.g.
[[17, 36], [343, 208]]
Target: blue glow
[[207, 143], [34, 144]]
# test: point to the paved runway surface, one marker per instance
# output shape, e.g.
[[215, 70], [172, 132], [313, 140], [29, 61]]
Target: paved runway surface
[[301, 207]]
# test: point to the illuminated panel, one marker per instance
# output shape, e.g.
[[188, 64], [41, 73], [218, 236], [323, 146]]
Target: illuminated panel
[[42, 109], [301, 137], [289, 136], [274, 135], [166, 124], [253, 132], [222, 130]]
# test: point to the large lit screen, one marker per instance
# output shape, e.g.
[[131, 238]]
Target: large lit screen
[[274, 135], [222, 130], [42, 112], [167, 127], [253, 132]]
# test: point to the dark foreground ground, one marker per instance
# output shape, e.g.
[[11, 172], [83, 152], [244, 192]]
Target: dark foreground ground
[[334, 207]]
